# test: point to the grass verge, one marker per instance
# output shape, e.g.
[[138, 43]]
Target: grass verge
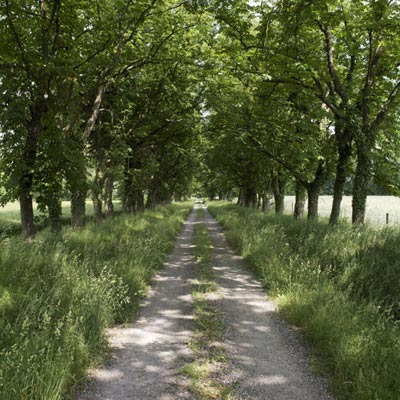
[[207, 342], [57, 297], [339, 284]]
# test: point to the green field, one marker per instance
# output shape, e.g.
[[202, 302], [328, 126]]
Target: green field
[[377, 208], [10, 216]]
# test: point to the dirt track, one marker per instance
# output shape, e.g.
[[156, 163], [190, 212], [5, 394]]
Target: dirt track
[[266, 359]]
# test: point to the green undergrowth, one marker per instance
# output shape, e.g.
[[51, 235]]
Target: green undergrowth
[[340, 284], [207, 341], [58, 295]]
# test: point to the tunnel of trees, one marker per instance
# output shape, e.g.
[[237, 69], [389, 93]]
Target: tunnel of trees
[[153, 101]]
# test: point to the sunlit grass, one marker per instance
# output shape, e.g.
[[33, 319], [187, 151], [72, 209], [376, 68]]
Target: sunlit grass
[[339, 284], [57, 296]]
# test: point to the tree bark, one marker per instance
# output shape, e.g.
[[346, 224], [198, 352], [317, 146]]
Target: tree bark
[[97, 207], [266, 203], [278, 187], [313, 200], [78, 208], [300, 200], [33, 128], [361, 180], [55, 210], [250, 197], [343, 139], [108, 196], [26, 208]]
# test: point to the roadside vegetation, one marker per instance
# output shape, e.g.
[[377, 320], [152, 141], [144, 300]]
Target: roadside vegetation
[[339, 284], [58, 295], [207, 342]]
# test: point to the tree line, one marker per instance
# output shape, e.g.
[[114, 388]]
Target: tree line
[[131, 97], [310, 96], [96, 97]]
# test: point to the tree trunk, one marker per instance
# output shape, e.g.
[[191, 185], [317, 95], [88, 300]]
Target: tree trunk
[[278, 186], [361, 180], [97, 207], [78, 208], [26, 207], [300, 201], [344, 140], [266, 203], [108, 196], [33, 128], [250, 197], [55, 210], [313, 199]]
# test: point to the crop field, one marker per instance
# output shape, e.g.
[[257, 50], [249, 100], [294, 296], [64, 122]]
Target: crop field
[[377, 208]]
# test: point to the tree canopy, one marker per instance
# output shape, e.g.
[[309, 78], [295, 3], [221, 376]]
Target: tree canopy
[[152, 101]]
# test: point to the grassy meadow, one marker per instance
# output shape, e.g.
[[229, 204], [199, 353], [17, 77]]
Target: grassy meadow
[[58, 296], [340, 285]]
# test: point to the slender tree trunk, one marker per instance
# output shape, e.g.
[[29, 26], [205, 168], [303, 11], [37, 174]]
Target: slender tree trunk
[[361, 180], [55, 210], [240, 198], [300, 201], [78, 208], [338, 191], [108, 195], [278, 186], [344, 149]]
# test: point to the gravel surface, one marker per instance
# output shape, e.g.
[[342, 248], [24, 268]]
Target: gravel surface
[[266, 358], [146, 355]]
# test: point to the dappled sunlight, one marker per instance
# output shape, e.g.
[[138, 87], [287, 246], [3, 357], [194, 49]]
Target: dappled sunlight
[[146, 355], [267, 360]]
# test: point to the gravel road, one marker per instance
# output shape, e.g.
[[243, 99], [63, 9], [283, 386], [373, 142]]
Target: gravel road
[[146, 356], [266, 358]]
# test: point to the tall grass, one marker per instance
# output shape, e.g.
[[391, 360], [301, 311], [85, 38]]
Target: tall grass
[[57, 297], [341, 285]]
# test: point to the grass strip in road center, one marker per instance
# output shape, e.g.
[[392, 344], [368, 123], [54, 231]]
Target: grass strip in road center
[[205, 371]]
